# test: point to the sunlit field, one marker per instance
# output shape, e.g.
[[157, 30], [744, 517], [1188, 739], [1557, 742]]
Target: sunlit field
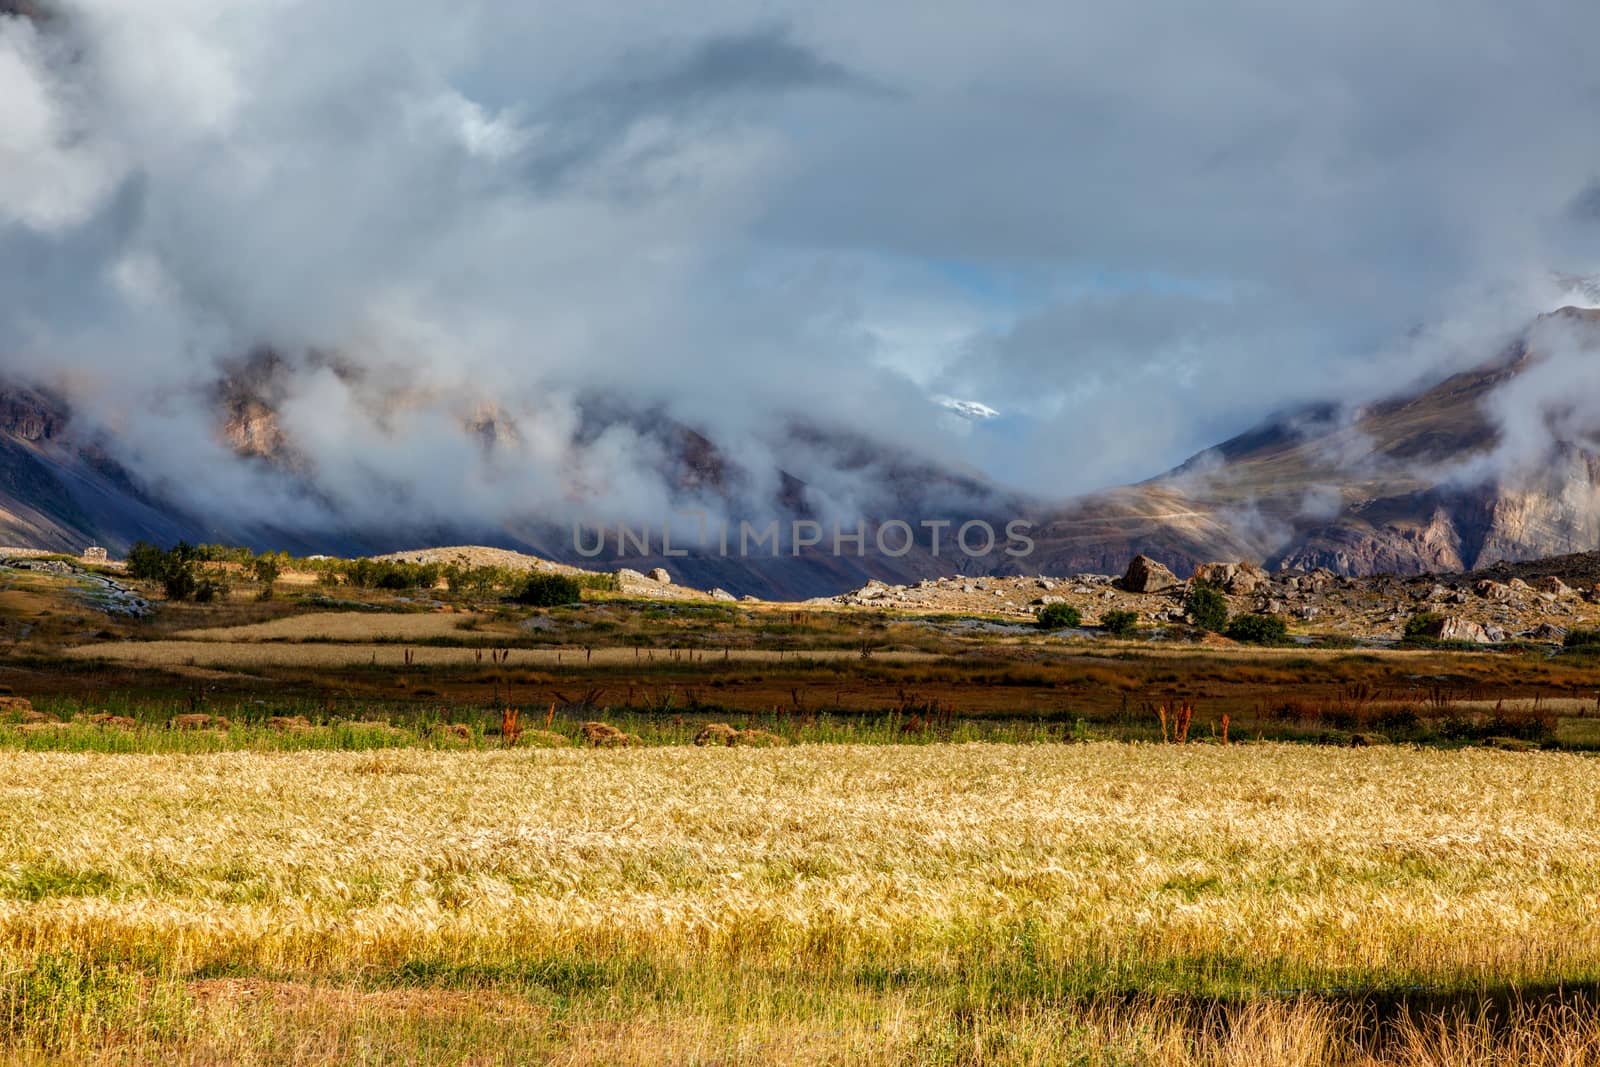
[[1091, 903]]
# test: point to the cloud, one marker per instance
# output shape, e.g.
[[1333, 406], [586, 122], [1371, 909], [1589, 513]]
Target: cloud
[[1135, 230]]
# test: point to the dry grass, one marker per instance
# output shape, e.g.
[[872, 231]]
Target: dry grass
[[340, 626], [227, 654], [958, 904]]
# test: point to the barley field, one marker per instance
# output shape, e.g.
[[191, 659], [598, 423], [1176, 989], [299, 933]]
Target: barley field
[[1096, 903]]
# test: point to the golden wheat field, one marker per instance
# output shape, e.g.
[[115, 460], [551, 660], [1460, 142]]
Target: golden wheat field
[[1102, 903]]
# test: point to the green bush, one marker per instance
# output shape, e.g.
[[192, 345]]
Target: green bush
[[1259, 630], [1206, 607], [1423, 626], [549, 591], [1582, 639], [1119, 623], [1059, 617]]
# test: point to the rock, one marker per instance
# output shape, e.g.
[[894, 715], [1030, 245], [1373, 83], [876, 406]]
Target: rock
[[1217, 574], [452, 731], [1490, 589], [198, 722], [1041, 601], [18, 709], [721, 594], [716, 733], [1456, 628], [758, 739], [1045, 583], [604, 735], [1553, 586], [1145, 575], [1548, 632], [1235, 579], [628, 574], [660, 574], [747, 599]]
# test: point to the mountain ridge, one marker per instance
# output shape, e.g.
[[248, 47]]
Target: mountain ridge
[[1375, 489]]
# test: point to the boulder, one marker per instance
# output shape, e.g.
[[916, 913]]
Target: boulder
[[1490, 589], [1145, 575], [1553, 585], [604, 735], [721, 594], [660, 574], [1217, 574], [1548, 632], [19, 709], [716, 733], [1455, 628]]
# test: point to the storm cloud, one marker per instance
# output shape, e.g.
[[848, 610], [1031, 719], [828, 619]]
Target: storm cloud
[[1131, 229]]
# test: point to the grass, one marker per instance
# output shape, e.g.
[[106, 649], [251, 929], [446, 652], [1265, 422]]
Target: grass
[[955, 904]]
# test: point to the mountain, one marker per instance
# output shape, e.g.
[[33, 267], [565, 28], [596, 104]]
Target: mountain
[[1379, 489], [1384, 489]]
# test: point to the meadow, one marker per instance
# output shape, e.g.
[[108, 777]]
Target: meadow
[[1101, 903]]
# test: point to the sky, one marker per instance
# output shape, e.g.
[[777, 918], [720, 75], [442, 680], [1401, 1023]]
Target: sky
[[1131, 230]]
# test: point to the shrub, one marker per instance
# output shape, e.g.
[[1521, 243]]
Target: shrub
[[1120, 623], [1582, 639], [1259, 630], [1423, 626], [1059, 617], [1206, 607], [549, 591]]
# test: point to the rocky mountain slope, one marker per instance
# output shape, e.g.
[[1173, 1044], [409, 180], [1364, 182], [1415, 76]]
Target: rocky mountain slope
[[1376, 492], [1351, 494]]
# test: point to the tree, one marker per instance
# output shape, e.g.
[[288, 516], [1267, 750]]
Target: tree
[[1059, 617], [266, 568], [1206, 607]]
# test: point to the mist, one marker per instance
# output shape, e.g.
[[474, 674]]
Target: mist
[[465, 232]]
